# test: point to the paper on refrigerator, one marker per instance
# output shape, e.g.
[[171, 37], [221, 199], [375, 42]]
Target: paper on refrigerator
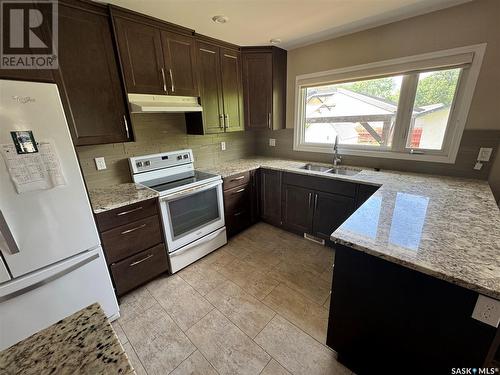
[[35, 171]]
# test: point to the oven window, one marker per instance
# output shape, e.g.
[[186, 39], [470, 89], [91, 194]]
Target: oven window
[[193, 212]]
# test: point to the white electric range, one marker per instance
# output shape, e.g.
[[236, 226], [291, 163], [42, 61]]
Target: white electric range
[[191, 203]]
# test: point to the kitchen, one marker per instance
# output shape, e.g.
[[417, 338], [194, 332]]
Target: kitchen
[[235, 203]]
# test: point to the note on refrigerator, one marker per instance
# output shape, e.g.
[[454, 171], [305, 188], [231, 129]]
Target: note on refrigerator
[[36, 171]]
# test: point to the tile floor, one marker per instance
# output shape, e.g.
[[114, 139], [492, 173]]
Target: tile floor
[[258, 305]]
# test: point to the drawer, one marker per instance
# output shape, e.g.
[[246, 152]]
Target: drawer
[[236, 180], [237, 221], [139, 268], [237, 198], [123, 215], [131, 238], [325, 184]]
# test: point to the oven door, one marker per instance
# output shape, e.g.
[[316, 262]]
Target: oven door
[[192, 214]]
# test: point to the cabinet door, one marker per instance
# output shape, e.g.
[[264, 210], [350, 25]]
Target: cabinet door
[[88, 66], [255, 195], [330, 211], [178, 54], [232, 90], [258, 89], [270, 196], [297, 208], [364, 192], [208, 64], [141, 57]]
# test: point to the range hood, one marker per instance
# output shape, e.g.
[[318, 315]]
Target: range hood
[[163, 103]]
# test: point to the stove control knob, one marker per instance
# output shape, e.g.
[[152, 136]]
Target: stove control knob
[[147, 163], [139, 164], [179, 157], [186, 156]]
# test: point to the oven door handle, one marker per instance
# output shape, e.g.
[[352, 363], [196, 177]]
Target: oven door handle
[[191, 191], [207, 238]]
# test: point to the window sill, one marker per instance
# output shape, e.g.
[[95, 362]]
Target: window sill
[[448, 159]]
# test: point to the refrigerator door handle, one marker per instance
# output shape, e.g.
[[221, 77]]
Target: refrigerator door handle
[[9, 239], [47, 280]]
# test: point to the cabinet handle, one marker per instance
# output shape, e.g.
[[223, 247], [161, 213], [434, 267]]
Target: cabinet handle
[[310, 198], [9, 239], [239, 191], [140, 261], [134, 229], [164, 81], [239, 213], [315, 201], [129, 211], [226, 118], [269, 120], [126, 126], [238, 178], [171, 80], [221, 121]]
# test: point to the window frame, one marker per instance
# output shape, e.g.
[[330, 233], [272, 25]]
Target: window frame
[[458, 111]]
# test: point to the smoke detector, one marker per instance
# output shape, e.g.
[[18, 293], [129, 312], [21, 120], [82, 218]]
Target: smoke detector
[[220, 19]]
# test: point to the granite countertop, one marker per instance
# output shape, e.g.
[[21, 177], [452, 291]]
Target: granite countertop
[[108, 198], [82, 343], [445, 227]]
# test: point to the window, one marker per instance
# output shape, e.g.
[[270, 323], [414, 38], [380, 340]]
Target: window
[[409, 108]]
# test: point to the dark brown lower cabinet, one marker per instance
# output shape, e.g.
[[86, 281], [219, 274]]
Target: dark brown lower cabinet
[[132, 241], [330, 211], [240, 196], [270, 196], [297, 207], [387, 319]]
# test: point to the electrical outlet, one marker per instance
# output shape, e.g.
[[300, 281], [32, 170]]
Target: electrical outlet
[[100, 163], [272, 142], [223, 146], [484, 154], [478, 166], [487, 310]]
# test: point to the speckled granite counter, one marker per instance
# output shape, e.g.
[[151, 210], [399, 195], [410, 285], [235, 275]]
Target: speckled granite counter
[[445, 227], [108, 198], [82, 343]]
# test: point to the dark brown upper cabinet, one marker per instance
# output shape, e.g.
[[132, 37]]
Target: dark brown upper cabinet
[[88, 77], [178, 55], [221, 91], [264, 85], [156, 57]]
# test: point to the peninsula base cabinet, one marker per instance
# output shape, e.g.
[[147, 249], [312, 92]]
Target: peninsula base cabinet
[[270, 196], [133, 245], [386, 318]]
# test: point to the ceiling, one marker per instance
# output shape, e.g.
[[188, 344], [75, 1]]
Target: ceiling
[[295, 22]]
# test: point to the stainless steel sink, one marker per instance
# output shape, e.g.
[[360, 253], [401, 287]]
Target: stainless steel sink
[[316, 167], [343, 171]]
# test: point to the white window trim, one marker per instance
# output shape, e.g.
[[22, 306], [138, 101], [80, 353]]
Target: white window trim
[[457, 121]]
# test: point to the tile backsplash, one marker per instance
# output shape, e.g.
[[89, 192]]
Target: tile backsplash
[[160, 132]]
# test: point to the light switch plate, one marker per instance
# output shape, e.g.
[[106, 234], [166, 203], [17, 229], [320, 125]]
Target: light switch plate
[[487, 310], [484, 154], [223, 146], [100, 163], [272, 142]]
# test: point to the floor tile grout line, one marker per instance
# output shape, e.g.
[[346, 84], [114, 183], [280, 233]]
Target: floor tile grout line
[[267, 364], [138, 358]]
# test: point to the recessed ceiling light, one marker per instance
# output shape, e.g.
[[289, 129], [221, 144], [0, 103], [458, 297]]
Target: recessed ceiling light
[[275, 41], [220, 19]]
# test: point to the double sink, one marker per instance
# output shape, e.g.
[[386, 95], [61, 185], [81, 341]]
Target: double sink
[[332, 170]]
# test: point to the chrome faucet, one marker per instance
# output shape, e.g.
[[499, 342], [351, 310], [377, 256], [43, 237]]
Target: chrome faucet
[[336, 157]]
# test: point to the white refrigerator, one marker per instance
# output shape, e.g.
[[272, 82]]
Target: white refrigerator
[[51, 261]]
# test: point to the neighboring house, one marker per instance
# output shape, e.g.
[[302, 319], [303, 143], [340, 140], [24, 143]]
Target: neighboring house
[[333, 112]]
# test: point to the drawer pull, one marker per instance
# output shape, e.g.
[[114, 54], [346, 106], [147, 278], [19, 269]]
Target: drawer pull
[[239, 213], [129, 211], [238, 178], [239, 191], [134, 229], [140, 261]]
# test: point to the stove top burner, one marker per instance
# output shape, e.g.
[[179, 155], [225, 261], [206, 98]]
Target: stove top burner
[[165, 184]]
